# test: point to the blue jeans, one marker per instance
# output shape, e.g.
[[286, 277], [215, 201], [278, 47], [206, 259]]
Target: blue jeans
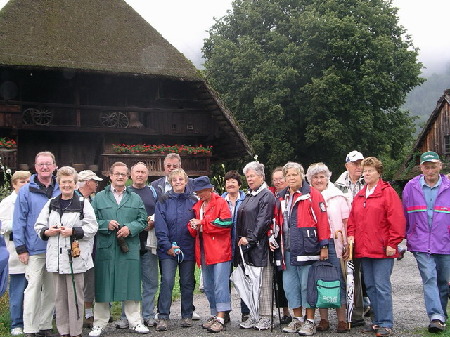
[[17, 285], [435, 272], [149, 272], [333, 259], [295, 283], [217, 286], [377, 278], [168, 269]]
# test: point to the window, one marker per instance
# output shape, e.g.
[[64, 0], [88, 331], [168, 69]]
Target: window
[[447, 144]]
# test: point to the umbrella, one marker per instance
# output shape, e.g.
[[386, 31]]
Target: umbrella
[[247, 281], [350, 285]]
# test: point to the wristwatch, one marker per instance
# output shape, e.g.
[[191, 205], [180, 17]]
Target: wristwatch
[[324, 247]]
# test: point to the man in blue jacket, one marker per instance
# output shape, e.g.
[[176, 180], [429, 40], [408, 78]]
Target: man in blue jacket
[[39, 298], [426, 202]]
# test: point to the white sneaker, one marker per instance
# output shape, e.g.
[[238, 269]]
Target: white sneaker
[[121, 323], [308, 329], [294, 326], [263, 323], [249, 323], [195, 316], [17, 331], [140, 328], [96, 331]]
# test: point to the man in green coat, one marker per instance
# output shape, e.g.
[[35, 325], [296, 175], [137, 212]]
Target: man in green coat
[[121, 217]]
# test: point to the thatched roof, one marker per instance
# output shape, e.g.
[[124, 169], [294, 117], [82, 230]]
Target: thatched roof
[[92, 35]]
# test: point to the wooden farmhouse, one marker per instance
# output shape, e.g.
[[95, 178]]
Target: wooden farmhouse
[[435, 136], [78, 76]]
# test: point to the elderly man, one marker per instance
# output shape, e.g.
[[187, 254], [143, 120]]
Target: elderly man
[[350, 183], [426, 202], [149, 259], [121, 217], [39, 298], [87, 186]]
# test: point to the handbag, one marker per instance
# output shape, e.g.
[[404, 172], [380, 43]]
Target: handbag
[[328, 294]]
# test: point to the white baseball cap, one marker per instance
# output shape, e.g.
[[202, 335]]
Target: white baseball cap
[[354, 156]]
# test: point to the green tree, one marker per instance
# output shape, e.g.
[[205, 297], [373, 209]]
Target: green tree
[[310, 80]]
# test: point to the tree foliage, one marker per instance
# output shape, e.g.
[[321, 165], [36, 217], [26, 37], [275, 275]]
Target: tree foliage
[[310, 80]]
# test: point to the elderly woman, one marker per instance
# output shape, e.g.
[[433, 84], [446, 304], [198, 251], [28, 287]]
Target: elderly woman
[[338, 210], [254, 220], [175, 248], [211, 229], [17, 280], [376, 226], [299, 209], [68, 223]]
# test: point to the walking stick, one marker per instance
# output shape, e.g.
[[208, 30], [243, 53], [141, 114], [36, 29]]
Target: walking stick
[[73, 282], [274, 295]]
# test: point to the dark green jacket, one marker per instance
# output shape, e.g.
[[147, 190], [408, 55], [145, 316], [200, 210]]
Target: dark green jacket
[[118, 274]]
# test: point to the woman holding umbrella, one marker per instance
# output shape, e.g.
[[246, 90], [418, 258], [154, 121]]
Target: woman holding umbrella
[[254, 220], [338, 210], [67, 222], [376, 226]]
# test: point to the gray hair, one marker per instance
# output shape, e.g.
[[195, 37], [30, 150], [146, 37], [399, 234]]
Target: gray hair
[[82, 183], [66, 171], [316, 168], [255, 166], [296, 166], [172, 156]]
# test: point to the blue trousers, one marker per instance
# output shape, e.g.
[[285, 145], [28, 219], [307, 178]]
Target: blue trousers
[[17, 285], [168, 269], [435, 272], [217, 286], [377, 278]]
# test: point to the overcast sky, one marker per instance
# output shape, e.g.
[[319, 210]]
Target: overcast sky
[[184, 24]]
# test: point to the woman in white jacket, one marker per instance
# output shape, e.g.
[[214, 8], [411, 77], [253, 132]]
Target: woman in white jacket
[[67, 221], [17, 280]]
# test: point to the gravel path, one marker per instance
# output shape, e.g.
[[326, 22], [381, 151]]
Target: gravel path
[[409, 311]]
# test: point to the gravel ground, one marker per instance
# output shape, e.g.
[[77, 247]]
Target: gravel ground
[[409, 311]]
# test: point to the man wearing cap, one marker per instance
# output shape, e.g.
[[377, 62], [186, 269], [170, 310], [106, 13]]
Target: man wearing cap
[[426, 202], [350, 183], [87, 185]]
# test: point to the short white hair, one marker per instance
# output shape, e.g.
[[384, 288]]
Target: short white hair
[[296, 166], [316, 168], [255, 166]]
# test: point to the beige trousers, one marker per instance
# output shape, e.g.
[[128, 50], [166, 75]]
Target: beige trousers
[[39, 296], [132, 310], [68, 321]]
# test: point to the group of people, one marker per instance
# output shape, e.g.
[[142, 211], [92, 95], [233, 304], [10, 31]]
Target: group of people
[[74, 254]]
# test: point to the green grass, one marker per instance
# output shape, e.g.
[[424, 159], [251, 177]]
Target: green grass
[[5, 322]]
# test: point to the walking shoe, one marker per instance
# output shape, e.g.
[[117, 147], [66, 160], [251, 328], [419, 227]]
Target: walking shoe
[[341, 327], [294, 326], [244, 317], [121, 323], [186, 322], [249, 323], [161, 325], [140, 328], [227, 317], [382, 331], [96, 331], [358, 322], [436, 326], [208, 322], [370, 328], [323, 325], [286, 319], [308, 329], [216, 326], [17, 331], [263, 323], [47, 333], [88, 323], [149, 321], [195, 316], [30, 334]]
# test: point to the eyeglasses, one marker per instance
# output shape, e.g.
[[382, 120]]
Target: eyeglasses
[[44, 164], [278, 180], [118, 174]]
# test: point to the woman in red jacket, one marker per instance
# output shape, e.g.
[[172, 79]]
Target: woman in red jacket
[[211, 228], [376, 226]]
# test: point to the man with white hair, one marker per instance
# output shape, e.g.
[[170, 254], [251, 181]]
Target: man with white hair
[[87, 186], [350, 183]]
